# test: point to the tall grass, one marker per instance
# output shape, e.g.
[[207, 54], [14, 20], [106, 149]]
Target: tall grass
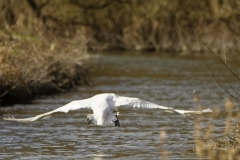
[[224, 146], [227, 145]]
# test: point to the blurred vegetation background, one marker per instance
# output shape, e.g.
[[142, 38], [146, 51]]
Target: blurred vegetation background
[[42, 41], [155, 25]]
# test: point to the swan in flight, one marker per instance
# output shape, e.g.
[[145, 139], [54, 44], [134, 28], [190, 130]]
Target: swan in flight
[[105, 109]]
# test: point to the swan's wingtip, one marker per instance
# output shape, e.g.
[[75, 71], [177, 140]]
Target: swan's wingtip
[[9, 118], [207, 110]]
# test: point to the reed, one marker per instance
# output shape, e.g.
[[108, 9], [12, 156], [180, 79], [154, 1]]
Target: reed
[[215, 146]]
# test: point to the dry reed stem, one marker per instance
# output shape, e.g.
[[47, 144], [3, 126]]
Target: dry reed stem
[[221, 147], [163, 153]]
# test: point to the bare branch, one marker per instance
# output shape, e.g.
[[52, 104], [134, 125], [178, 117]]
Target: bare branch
[[235, 43], [7, 91], [229, 93], [238, 100], [221, 60]]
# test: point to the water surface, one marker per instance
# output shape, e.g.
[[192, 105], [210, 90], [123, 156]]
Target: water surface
[[166, 81]]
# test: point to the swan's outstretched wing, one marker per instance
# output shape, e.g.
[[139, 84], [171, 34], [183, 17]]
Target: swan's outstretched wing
[[139, 103], [186, 112], [74, 105]]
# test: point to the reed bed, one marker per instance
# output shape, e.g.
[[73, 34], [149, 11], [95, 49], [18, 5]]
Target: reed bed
[[212, 145]]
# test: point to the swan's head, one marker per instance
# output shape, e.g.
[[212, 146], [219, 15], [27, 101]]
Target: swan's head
[[91, 119]]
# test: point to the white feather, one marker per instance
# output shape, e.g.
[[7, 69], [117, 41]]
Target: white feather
[[104, 108]]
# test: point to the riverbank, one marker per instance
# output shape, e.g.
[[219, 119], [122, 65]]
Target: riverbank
[[38, 58], [44, 45], [32, 66]]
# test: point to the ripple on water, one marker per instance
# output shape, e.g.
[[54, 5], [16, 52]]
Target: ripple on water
[[157, 79]]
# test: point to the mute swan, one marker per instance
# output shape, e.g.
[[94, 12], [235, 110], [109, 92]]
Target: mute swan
[[105, 108]]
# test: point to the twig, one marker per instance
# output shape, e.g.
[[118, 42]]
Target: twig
[[237, 62], [232, 141], [233, 89], [7, 91], [229, 93], [235, 43], [182, 102], [222, 61], [180, 130], [74, 86]]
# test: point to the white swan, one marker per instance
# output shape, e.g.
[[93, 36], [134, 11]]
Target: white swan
[[105, 107]]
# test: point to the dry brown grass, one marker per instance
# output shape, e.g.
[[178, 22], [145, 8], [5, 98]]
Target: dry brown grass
[[221, 147], [33, 65], [38, 57]]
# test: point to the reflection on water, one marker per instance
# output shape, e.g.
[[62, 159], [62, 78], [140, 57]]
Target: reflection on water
[[166, 81]]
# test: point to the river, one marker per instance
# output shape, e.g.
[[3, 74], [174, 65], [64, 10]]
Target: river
[[179, 82]]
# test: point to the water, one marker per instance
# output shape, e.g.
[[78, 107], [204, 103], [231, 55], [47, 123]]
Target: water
[[164, 80]]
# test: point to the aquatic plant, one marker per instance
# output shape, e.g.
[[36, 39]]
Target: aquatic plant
[[226, 146]]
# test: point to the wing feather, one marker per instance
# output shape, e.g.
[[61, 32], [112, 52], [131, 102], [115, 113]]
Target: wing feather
[[186, 112], [139, 103], [74, 105]]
